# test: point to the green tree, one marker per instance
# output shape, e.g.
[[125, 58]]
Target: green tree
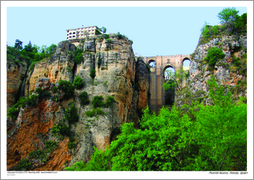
[[228, 15], [78, 82], [52, 48], [29, 47], [18, 44], [103, 29]]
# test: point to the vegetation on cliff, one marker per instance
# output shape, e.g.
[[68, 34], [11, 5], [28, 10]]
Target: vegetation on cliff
[[231, 24], [211, 138], [30, 53]]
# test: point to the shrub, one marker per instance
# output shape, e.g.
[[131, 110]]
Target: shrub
[[109, 101], [23, 165], [213, 55], [108, 40], [71, 114], [97, 101], [84, 98], [50, 145], [60, 130], [13, 112], [92, 73], [42, 93], [31, 101], [67, 88], [78, 58], [78, 82], [72, 139], [99, 111], [55, 98], [90, 113], [36, 154], [71, 145], [54, 89]]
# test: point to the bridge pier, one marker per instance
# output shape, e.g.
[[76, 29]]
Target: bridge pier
[[157, 98]]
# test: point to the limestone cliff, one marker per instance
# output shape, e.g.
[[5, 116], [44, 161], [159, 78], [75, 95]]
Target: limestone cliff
[[231, 70], [118, 74], [16, 71]]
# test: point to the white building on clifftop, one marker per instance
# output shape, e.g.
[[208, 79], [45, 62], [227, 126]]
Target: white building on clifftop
[[81, 33]]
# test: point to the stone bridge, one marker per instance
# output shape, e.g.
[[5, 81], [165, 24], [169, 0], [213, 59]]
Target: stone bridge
[[158, 65]]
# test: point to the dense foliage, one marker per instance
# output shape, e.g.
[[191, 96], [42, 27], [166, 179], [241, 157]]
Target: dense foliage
[[231, 24], [71, 114], [210, 138], [30, 53], [92, 73], [213, 55], [97, 101], [84, 98], [67, 88], [30, 102], [78, 82]]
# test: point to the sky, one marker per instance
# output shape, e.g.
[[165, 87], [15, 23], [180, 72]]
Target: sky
[[155, 31]]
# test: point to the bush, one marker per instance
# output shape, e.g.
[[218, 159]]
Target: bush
[[92, 73], [60, 130], [78, 82], [54, 89], [71, 145], [50, 145], [42, 93], [36, 154], [90, 113], [67, 88], [72, 139], [97, 101], [55, 98], [109, 101], [13, 113], [31, 101], [71, 114], [84, 98], [213, 55], [78, 58], [99, 111], [23, 165]]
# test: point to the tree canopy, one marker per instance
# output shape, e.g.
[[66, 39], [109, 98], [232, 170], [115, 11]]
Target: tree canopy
[[227, 15]]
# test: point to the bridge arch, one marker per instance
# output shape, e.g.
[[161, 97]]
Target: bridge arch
[[168, 71], [152, 63], [186, 63]]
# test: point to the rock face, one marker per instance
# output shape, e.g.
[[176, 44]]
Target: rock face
[[15, 75], [57, 67], [226, 71], [118, 74]]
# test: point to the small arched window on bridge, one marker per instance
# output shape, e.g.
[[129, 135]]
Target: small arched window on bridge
[[169, 73], [186, 64], [152, 63]]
